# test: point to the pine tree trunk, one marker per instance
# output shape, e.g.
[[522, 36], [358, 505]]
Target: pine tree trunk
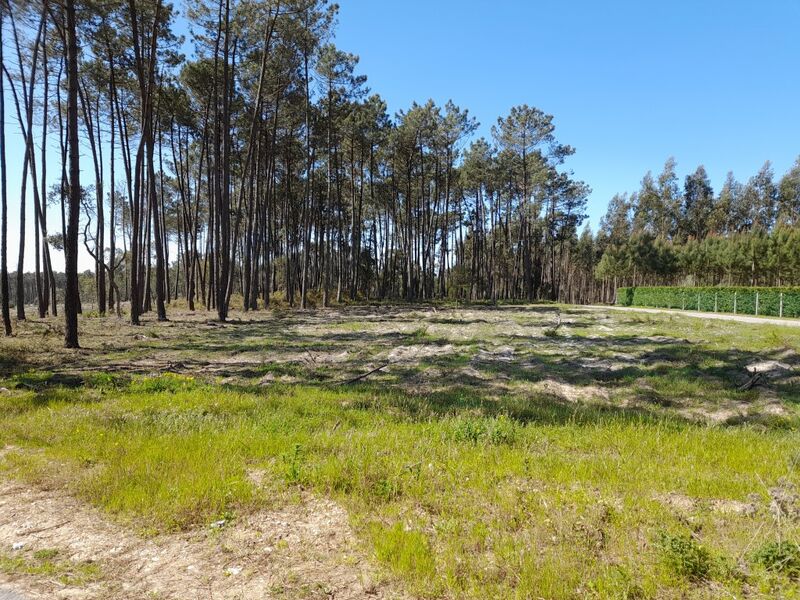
[[71, 294]]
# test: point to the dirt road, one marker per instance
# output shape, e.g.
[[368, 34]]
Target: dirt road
[[706, 315]]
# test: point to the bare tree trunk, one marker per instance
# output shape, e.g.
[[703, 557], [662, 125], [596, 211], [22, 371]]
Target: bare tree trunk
[[71, 296], [3, 196], [112, 192]]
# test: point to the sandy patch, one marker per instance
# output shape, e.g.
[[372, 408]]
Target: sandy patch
[[571, 393], [307, 550], [403, 354], [686, 505], [501, 354]]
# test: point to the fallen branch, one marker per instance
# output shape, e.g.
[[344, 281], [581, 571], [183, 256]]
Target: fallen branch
[[22, 532], [754, 381], [364, 375]]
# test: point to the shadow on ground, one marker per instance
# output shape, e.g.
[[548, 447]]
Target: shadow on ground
[[531, 362]]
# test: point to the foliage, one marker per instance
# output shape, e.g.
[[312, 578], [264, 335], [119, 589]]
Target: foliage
[[781, 557], [750, 301], [747, 235]]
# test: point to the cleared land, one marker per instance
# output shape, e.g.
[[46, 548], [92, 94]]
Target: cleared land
[[396, 452]]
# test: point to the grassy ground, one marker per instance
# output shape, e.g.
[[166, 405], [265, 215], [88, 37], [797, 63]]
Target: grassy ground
[[496, 453], [47, 563]]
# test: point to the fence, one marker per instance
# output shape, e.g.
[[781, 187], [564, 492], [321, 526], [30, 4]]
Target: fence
[[765, 301]]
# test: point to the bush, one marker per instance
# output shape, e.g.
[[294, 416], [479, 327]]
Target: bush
[[740, 300]]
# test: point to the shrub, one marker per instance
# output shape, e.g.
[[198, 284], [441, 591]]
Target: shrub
[[742, 300]]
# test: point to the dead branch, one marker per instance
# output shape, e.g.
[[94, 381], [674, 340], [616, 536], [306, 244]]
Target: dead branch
[[755, 380], [364, 375]]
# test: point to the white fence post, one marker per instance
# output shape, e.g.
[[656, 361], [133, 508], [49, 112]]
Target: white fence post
[[716, 302], [781, 309], [756, 303], [735, 298]]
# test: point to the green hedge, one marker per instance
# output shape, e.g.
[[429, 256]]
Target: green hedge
[[741, 300]]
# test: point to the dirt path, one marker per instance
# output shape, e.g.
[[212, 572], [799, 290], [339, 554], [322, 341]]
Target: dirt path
[[303, 551], [704, 315]]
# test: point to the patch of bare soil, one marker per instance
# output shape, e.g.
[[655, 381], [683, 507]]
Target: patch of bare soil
[[685, 506], [605, 365], [571, 393], [768, 405], [501, 354], [304, 551], [415, 353]]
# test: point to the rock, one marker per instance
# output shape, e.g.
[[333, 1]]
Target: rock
[[17, 546], [233, 571], [218, 524]]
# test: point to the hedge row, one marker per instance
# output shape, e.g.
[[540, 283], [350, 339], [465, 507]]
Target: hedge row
[[742, 300]]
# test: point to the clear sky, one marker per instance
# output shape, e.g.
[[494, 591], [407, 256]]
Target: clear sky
[[630, 83]]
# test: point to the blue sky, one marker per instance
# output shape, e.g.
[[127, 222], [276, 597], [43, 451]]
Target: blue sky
[[630, 83]]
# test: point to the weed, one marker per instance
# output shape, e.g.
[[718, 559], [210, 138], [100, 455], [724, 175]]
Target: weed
[[684, 556], [166, 382], [46, 554], [420, 334], [294, 461], [44, 563], [495, 430], [780, 557]]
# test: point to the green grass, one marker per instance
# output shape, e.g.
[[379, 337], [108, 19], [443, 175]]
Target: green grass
[[46, 563], [467, 504], [488, 490]]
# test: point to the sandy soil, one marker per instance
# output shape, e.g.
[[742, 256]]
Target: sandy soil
[[307, 551]]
